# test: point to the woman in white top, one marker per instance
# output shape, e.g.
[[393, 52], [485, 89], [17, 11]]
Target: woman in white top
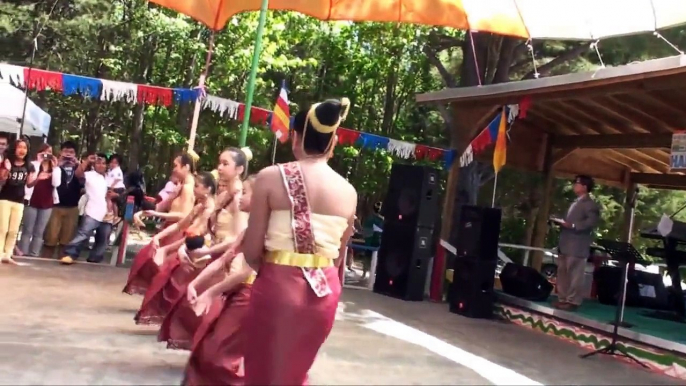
[[38, 202]]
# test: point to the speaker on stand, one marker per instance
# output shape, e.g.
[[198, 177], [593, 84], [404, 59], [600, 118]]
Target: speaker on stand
[[475, 235], [409, 211]]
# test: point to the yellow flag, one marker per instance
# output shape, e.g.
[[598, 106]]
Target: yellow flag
[[500, 152]]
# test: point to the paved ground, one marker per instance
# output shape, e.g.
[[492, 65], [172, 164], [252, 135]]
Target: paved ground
[[72, 325]]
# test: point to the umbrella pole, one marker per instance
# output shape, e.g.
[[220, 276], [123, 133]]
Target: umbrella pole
[[26, 92], [201, 85], [253, 71]]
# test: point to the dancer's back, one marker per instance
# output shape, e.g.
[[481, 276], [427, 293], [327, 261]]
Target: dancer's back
[[301, 217]]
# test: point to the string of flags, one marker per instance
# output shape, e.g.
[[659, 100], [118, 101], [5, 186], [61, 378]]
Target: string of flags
[[489, 135], [113, 91]]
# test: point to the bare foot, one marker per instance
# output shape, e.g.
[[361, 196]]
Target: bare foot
[[9, 260], [18, 251]]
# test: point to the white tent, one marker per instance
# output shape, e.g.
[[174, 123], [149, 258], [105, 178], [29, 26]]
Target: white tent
[[37, 121]]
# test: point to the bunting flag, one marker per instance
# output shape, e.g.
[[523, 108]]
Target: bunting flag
[[492, 134], [130, 93], [281, 121], [500, 152]]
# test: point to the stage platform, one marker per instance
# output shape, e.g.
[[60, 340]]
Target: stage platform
[[660, 344]]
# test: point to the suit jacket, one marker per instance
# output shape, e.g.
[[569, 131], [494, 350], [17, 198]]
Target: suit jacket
[[584, 215]]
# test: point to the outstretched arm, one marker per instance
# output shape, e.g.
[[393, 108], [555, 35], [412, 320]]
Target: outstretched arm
[[239, 272]]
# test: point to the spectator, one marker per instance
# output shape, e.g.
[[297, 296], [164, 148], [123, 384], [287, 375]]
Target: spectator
[[115, 183], [95, 211], [39, 200], [17, 173], [65, 214]]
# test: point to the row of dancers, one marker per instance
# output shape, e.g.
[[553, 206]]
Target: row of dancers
[[246, 274]]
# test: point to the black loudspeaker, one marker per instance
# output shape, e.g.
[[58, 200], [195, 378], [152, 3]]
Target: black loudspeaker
[[643, 289], [476, 232], [403, 261], [525, 282], [412, 196], [471, 292]]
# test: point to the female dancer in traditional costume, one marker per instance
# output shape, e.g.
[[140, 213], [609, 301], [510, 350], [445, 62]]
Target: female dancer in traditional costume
[[178, 327], [218, 348], [143, 269], [175, 272], [301, 219]]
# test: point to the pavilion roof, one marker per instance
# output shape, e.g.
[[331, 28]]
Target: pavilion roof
[[612, 123]]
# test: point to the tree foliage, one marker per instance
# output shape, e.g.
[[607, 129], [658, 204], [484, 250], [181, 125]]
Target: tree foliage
[[380, 67]]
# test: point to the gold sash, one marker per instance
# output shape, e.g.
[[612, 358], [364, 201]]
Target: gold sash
[[293, 259]]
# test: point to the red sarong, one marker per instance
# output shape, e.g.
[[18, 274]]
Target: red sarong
[[286, 325], [143, 269], [166, 289], [180, 324], [218, 351]]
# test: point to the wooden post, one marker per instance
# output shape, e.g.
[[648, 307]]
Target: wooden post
[[465, 125], [438, 266], [628, 211], [541, 229]]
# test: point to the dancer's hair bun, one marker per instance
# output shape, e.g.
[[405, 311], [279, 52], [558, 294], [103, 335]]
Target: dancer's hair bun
[[325, 117], [248, 153]]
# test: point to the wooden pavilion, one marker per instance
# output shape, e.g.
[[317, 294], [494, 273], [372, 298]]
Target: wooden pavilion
[[614, 124]]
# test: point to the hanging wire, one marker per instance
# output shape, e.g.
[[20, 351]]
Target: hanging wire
[[476, 62], [594, 46], [530, 47], [659, 36]]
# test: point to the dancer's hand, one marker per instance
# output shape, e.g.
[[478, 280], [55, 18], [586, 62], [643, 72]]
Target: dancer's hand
[[183, 254], [192, 293], [198, 253], [155, 242], [150, 213], [159, 256], [202, 304]]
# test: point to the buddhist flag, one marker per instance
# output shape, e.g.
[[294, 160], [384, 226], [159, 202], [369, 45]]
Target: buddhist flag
[[500, 152], [281, 119]]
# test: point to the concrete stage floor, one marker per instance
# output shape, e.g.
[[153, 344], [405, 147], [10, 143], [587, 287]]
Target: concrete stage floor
[[72, 325]]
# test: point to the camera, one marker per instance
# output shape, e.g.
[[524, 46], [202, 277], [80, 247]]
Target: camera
[[47, 156]]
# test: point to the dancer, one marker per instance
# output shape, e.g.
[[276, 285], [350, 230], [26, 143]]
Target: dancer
[[176, 273], [178, 327], [302, 215], [179, 204], [218, 351]]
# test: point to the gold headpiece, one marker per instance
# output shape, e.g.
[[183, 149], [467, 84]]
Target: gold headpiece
[[248, 153], [327, 129], [194, 156]]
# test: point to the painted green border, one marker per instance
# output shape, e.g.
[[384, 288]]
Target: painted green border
[[666, 362]]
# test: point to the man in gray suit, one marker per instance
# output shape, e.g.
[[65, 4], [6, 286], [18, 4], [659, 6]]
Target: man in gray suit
[[576, 236]]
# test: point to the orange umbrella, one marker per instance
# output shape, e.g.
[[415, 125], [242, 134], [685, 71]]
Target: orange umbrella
[[500, 17]]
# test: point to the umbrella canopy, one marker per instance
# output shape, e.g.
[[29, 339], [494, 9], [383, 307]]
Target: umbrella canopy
[[536, 19], [37, 121]]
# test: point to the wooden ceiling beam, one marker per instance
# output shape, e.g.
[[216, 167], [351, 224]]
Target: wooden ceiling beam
[[580, 120], [596, 113], [641, 119], [655, 109], [674, 103], [613, 141], [561, 154], [655, 159], [667, 181]]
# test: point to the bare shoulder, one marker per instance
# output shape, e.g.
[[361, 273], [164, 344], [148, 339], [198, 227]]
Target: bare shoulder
[[269, 174]]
